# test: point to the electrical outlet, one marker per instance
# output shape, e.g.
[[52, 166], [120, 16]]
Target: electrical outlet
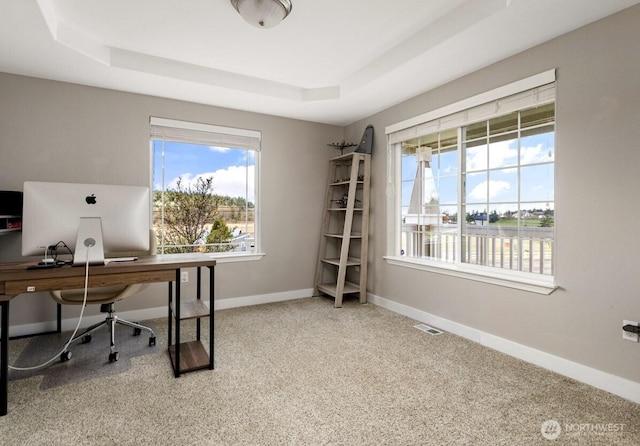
[[184, 276], [628, 336]]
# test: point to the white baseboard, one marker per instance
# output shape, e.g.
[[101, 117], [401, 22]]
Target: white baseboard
[[245, 301], [156, 313], [605, 381]]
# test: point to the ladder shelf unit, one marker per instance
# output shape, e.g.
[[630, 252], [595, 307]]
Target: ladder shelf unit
[[342, 258]]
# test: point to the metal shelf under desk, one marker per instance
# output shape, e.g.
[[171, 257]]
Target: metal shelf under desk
[[191, 355]]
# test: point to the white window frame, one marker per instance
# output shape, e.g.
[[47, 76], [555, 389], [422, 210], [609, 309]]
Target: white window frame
[[208, 134], [483, 106]]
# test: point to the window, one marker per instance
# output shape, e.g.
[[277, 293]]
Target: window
[[472, 189], [205, 195]]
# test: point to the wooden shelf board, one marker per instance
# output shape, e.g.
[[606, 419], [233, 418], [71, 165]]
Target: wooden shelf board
[[345, 182], [351, 261], [191, 309], [193, 356], [331, 289], [353, 235]]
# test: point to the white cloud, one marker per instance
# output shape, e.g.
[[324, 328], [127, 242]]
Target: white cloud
[[479, 193], [535, 154], [219, 149], [477, 158], [504, 154], [231, 182], [500, 154]]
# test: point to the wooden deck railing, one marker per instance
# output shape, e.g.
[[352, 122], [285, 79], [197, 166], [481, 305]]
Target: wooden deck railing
[[528, 253]]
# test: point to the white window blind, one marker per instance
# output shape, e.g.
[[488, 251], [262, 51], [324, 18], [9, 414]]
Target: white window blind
[[530, 92], [205, 134]]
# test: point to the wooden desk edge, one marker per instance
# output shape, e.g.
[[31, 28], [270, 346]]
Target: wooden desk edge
[[15, 276]]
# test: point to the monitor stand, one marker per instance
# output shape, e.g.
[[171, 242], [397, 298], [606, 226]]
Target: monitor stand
[[89, 245]]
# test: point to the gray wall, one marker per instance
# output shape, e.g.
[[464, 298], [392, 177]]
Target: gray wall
[[597, 183], [52, 131]]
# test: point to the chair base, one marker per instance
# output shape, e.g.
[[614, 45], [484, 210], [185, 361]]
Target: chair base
[[110, 321]]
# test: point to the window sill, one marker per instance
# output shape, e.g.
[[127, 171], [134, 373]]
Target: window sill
[[222, 257], [521, 281]]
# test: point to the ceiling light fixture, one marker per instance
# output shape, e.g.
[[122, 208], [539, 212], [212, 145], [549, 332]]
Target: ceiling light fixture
[[263, 13]]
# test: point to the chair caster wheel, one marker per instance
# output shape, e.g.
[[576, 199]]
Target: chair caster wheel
[[113, 357], [152, 341], [137, 331], [86, 339], [65, 356]]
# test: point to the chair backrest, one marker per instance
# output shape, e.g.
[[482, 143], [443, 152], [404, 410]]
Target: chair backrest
[[108, 294]]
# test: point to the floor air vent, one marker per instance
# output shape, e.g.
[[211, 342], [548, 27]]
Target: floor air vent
[[427, 329]]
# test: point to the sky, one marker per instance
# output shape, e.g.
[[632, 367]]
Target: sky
[[228, 167]]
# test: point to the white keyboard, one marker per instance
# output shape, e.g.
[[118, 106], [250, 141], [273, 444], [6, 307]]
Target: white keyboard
[[120, 259]]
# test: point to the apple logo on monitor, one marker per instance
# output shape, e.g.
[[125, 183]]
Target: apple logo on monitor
[[91, 199]]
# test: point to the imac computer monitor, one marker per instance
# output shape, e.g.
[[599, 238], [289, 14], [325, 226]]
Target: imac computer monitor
[[93, 220]]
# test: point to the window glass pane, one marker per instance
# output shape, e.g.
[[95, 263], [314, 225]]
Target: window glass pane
[[476, 187], [448, 190], [503, 151], [406, 188], [474, 215], [449, 216], [473, 209], [537, 145], [536, 183], [423, 198], [448, 161], [420, 197], [501, 217], [539, 215], [508, 214], [408, 167], [503, 185], [476, 156]]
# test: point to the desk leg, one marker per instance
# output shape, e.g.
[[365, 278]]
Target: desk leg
[[211, 315], [177, 316], [170, 315], [4, 356], [198, 297]]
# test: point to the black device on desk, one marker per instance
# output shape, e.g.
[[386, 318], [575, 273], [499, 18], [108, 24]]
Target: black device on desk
[[46, 265]]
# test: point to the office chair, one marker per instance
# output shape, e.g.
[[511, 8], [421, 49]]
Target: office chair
[[106, 297]]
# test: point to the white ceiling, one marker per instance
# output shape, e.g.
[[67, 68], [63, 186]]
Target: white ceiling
[[331, 61]]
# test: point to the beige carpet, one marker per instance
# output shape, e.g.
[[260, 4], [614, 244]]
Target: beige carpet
[[304, 373]]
